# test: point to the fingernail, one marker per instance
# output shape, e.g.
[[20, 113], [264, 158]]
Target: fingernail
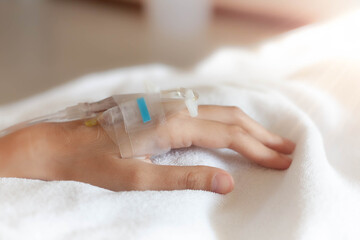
[[288, 159], [222, 183], [292, 146]]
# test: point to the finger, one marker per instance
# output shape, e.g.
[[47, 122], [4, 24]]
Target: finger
[[235, 116], [159, 177], [108, 172], [213, 134], [133, 174]]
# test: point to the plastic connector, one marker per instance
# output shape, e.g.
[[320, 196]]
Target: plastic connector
[[191, 102]]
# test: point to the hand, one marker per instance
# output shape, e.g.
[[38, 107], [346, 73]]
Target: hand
[[72, 151]]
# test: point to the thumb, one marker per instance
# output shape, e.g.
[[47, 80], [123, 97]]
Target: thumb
[[190, 177]]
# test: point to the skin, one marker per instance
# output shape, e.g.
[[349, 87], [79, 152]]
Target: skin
[[72, 151]]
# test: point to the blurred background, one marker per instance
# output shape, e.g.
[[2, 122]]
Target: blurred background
[[44, 43]]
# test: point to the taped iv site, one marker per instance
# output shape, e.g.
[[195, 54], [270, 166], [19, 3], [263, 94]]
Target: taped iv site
[[132, 121]]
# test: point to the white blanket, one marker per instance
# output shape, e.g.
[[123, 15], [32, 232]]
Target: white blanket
[[318, 197]]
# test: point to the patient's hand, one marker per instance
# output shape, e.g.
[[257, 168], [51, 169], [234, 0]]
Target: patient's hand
[[72, 151]]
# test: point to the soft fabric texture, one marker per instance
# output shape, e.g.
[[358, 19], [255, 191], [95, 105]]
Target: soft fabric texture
[[316, 198]]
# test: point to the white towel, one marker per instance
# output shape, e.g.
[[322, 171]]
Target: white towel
[[316, 198]]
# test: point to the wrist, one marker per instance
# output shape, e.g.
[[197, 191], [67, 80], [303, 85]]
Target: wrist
[[18, 152], [9, 154]]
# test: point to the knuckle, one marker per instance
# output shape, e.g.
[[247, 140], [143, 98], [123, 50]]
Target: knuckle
[[237, 113], [235, 130], [235, 133], [176, 120], [178, 138], [186, 142], [191, 180], [136, 179], [173, 123], [179, 115]]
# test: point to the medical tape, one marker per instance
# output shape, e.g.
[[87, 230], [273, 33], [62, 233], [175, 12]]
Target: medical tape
[[137, 125]]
